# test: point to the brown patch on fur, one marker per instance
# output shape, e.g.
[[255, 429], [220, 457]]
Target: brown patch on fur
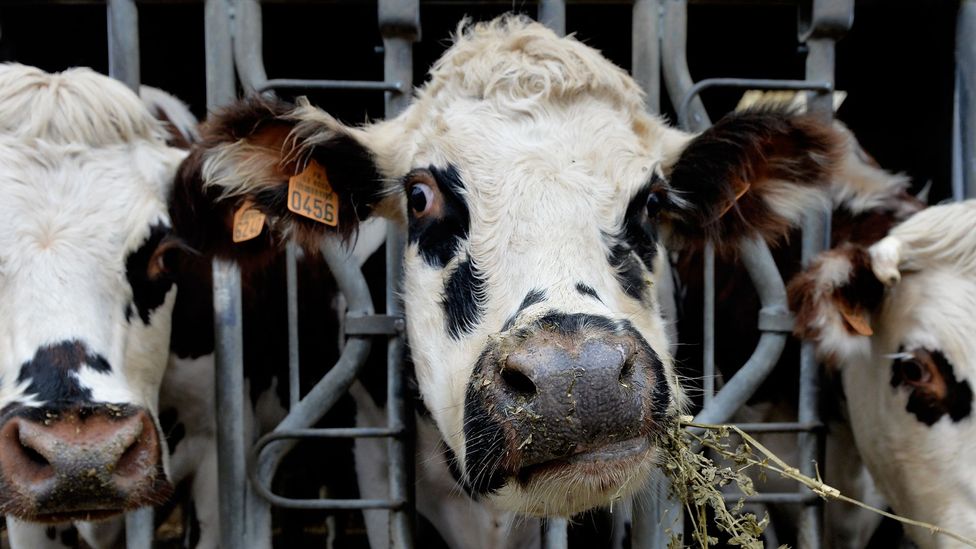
[[867, 227], [754, 150]]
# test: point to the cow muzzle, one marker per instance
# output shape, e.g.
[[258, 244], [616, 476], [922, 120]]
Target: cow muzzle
[[85, 463], [571, 395]]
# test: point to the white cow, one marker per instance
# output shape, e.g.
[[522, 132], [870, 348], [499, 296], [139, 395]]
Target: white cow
[[539, 198], [895, 322]]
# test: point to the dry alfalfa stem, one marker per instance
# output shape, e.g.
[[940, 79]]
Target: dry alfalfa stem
[[696, 482]]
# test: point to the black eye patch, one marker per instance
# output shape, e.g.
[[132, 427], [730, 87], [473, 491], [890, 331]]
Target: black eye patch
[[636, 241], [935, 391], [438, 238], [148, 292]]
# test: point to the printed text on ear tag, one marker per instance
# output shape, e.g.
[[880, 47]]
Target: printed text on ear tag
[[311, 195], [248, 222]]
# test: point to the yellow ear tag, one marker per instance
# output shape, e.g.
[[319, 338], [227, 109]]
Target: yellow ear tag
[[311, 195], [248, 222], [858, 320]]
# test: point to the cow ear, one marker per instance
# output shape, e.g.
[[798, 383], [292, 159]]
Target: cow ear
[[237, 184], [753, 172], [835, 300]]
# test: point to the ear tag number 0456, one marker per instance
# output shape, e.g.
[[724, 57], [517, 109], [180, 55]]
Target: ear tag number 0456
[[311, 195]]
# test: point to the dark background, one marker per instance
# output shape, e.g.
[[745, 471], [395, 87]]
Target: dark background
[[896, 63]]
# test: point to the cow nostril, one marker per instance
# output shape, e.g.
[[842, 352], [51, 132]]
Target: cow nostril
[[34, 456], [517, 382], [626, 370]]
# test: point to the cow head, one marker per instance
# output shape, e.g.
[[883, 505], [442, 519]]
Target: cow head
[[895, 321], [538, 197], [85, 298]]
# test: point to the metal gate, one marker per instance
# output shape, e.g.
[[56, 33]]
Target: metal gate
[[659, 30]]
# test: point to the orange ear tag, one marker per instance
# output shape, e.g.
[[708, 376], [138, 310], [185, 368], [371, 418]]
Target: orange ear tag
[[743, 189], [248, 222], [311, 195], [857, 320]]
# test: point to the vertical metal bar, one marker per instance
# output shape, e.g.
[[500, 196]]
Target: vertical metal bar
[[708, 332], [816, 232], [400, 26], [646, 51], [219, 53], [552, 13], [966, 89], [139, 528], [123, 42], [674, 62], [248, 53], [230, 408], [291, 282], [655, 514], [554, 536]]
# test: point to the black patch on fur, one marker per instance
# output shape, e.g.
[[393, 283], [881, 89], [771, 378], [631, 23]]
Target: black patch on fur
[[460, 299], [627, 270], [587, 290], [438, 239], [51, 372], [942, 394], [173, 429], [531, 298], [147, 293], [51, 532], [69, 537], [484, 441], [452, 465], [640, 231]]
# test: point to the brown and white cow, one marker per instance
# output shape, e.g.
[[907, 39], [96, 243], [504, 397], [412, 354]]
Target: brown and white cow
[[539, 198], [895, 322]]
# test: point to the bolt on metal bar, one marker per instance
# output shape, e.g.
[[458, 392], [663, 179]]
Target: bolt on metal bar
[[965, 116], [123, 42]]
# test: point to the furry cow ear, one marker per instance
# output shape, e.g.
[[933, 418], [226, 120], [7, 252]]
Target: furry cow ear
[[835, 300], [752, 172], [237, 183]]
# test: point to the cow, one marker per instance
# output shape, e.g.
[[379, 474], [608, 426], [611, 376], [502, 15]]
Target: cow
[[893, 320], [539, 199], [86, 298], [865, 201]]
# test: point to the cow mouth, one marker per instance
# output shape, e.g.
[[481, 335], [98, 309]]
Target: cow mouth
[[606, 462]]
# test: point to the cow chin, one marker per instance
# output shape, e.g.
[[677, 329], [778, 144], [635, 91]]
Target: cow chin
[[565, 487]]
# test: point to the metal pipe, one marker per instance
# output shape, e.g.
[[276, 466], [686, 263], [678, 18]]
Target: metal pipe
[[248, 52], [966, 89], [229, 344], [552, 13], [708, 329], [646, 51], [807, 497], [291, 285], [823, 88], [554, 535], [758, 261], [284, 83], [139, 528], [674, 63], [123, 42], [219, 52]]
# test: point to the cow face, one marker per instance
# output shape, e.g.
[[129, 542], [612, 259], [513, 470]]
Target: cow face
[[537, 197], [85, 300], [895, 323]]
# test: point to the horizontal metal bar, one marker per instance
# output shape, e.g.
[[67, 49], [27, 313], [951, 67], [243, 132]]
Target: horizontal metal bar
[[432, 2], [332, 504], [296, 83], [761, 83], [374, 325], [346, 432], [789, 497], [782, 427]]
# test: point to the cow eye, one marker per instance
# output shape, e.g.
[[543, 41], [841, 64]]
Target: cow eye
[[654, 204], [421, 199]]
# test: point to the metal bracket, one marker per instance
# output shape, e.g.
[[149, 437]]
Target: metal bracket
[[374, 325], [825, 19], [775, 320]]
